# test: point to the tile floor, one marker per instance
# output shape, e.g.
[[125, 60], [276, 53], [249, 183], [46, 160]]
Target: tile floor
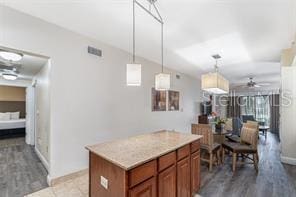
[[77, 187]]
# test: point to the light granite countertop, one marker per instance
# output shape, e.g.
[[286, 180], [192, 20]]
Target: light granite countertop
[[133, 151]]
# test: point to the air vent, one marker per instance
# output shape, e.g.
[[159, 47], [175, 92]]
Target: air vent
[[94, 51]]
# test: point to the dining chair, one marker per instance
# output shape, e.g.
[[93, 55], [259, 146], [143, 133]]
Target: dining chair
[[248, 146], [253, 124], [234, 136], [208, 146]]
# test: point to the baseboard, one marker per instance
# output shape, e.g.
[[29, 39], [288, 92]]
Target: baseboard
[[55, 181], [49, 179], [43, 160], [288, 160]]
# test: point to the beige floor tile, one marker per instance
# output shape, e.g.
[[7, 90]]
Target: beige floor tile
[[48, 192], [72, 192], [77, 187], [82, 184], [64, 187]]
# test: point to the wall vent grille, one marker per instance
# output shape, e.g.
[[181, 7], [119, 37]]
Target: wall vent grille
[[94, 51]]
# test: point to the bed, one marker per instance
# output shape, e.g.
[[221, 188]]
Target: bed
[[12, 128]]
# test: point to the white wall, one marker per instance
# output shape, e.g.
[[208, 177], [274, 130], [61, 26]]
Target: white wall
[[30, 115], [42, 112], [89, 101], [288, 114]]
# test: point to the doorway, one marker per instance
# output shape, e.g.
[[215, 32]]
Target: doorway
[[24, 78]]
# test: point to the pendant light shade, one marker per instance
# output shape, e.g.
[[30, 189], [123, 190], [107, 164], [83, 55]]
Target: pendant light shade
[[162, 81], [134, 70], [215, 83], [133, 74]]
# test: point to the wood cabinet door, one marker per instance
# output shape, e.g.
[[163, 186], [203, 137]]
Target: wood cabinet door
[[195, 172], [145, 189], [167, 182], [183, 178]]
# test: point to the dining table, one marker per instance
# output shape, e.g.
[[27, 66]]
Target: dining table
[[219, 136]]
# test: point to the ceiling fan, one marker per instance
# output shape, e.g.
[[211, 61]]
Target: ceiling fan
[[9, 72], [253, 84]]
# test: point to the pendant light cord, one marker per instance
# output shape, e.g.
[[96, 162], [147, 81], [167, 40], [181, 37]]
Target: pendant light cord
[[156, 17], [216, 66], [162, 47], [134, 33]]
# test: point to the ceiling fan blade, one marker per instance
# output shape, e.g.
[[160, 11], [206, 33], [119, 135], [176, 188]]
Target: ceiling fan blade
[[264, 84], [240, 86], [257, 86]]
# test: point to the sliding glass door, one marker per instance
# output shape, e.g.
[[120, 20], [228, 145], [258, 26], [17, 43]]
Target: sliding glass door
[[257, 106]]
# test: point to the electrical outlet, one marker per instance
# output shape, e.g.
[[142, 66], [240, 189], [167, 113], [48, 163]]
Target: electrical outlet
[[104, 182]]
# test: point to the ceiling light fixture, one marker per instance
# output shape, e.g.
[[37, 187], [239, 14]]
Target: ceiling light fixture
[[162, 80], [215, 83], [134, 70], [11, 56], [10, 76]]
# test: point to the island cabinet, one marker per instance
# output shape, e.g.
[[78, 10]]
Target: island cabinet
[[174, 173]]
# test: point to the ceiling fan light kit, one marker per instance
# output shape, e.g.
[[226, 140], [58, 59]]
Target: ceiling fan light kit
[[10, 76], [11, 56], [215, 83]]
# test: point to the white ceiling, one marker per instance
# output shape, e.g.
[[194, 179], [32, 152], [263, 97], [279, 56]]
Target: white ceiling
[[28, 66], [248, 34]]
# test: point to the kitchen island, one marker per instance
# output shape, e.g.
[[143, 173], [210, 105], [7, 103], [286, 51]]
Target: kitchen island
[[163, 163]]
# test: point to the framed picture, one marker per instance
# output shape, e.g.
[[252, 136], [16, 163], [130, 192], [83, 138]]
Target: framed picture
[[174, 99], [158, 100]]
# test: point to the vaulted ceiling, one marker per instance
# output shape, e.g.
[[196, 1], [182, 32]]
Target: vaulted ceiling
[[248, 34]]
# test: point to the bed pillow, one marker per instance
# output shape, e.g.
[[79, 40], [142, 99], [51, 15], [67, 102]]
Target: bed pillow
[[5, 116], [15, 115]]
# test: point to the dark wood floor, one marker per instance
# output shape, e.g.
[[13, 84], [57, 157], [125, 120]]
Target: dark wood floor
[[21, 171], [273, 180]]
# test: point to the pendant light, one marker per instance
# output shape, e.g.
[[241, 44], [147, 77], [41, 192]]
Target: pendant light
[[215, 83], [134, 70], [162, 80]]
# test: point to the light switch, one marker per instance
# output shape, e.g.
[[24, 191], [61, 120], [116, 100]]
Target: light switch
[[104, 182]]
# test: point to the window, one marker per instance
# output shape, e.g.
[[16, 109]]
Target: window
[[257, 106]]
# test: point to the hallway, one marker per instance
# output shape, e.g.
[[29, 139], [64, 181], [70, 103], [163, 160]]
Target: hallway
[[21, 171]]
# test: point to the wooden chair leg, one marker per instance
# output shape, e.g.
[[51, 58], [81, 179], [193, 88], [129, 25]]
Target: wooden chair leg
[[223, 155], [218, 156], [255, 156], [234, 156], [211, 162]]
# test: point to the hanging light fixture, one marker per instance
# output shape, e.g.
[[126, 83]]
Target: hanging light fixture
[[134, 70], [214, 82], [162, 80]]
